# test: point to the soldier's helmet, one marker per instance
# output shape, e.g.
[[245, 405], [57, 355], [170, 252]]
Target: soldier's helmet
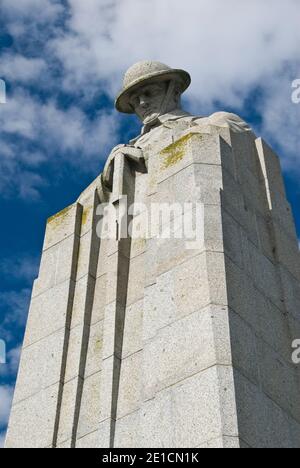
[[148, 72]]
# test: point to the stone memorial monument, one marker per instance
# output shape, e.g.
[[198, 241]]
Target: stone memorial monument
[[141, 335]]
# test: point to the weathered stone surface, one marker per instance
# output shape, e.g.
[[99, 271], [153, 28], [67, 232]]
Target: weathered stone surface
[[87, 254], [129, 396], [96, 439], [32, 421], [73, 368], [132, 338], [95, 349], [248, 304], [63, 225], [270, 167], [90, 409], [40, 366], [266, 237], [99, 301], [83, 300], [58, 264], [112, 330], [287, 251], [136, 276], [244, 343], [117, 278], [279, 380], [184, 348], [206, 177], [291, 291], [138, 230], [222, 443], [40, 324], [107, 390], [67, 412], [191, 289], [245, 153], [173, 419], [277, 336], [265, 275], [262, 423], [127, 431], [65, 445], [90, 441], [159, 306], [157, 425], [282, 213], [294, 433], [149, 342]]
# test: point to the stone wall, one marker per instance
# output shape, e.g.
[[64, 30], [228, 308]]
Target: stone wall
[[145, 343]]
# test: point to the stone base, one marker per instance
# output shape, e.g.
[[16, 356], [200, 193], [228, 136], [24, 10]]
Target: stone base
[[143, 343]]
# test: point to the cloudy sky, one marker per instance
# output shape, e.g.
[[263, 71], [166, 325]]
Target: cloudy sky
[[62, 61]]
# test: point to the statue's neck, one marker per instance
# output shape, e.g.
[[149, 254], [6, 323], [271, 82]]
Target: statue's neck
[[160, 119]]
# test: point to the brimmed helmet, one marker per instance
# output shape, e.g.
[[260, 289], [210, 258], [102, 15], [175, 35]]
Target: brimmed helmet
[[147, 72]]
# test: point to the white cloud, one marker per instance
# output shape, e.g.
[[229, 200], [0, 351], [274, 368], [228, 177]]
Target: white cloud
[[52, 127], [229, 47], [14, 306], [60, 135], [6, 396], [14, 359], [22, 69], [35, 11], [23, 268], [16, 176], [2, 439], [281, 122], [12, 363]]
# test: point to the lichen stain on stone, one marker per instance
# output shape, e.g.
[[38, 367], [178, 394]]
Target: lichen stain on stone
[[98, 345], [140, 243], [175, 152], [58, 218], [85, 215]]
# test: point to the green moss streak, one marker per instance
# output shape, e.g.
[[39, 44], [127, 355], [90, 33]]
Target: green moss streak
[[59, 217], [176, 151], [85, 215]]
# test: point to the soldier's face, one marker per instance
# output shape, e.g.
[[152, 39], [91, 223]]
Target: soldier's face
[[147, 101]]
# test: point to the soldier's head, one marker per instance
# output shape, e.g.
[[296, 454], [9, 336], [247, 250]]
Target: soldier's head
[[153, 99], [151, 89]]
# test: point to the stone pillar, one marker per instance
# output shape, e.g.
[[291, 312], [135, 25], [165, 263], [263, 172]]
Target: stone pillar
[[158, 345], [36, 407]]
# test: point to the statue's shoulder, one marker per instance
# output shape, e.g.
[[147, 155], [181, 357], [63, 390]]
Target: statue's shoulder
[[225, 120], [225, 117]]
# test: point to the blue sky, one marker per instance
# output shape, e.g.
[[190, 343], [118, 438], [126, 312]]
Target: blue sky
[[62, 61]]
